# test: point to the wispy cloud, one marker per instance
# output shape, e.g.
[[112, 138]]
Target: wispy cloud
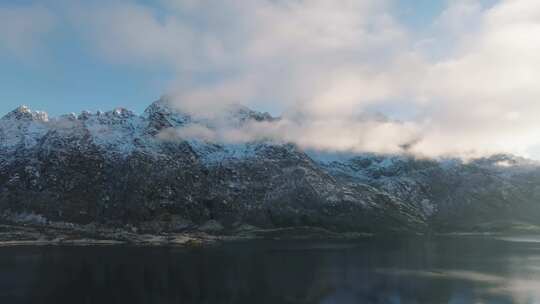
[[23, 28]]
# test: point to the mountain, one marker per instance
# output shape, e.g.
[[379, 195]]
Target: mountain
[[119, 169]]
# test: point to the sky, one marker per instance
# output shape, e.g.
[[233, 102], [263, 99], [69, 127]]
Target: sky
[[54, 67], [455, 77]]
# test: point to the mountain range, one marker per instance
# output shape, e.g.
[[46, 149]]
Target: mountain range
[[120, 169]]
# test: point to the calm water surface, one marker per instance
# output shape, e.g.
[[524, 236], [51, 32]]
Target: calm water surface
[[441, 270]]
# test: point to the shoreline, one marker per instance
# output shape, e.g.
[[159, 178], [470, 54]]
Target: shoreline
[[28, 235], [23, 235]]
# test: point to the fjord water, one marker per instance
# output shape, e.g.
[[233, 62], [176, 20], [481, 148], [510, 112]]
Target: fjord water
[[406, 270]]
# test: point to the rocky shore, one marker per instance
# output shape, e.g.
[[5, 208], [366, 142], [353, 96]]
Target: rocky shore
[[34, 235]]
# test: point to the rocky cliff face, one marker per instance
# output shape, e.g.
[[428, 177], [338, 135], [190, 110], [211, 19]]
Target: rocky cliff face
[[486, 194], [117, 169]]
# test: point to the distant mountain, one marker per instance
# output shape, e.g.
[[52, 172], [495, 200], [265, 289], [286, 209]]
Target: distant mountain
[[117, 169]]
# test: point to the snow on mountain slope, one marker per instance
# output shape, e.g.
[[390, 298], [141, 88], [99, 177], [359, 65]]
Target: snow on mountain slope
[[451, 193], [22, 128], [121, 132]]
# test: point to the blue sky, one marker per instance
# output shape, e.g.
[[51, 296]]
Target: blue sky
[[64, 73]]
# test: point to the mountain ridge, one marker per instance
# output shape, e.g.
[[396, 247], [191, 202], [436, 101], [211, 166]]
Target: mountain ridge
[[115, 169]]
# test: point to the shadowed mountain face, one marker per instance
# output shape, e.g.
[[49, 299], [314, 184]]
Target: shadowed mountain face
[[487, 194], [118, 168]]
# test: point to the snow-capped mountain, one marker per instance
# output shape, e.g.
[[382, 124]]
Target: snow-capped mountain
[[118, 168]]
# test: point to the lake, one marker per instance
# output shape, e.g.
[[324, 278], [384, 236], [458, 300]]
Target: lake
[[406, 270]]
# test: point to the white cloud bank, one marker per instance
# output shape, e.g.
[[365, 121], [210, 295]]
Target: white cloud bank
[[469, 83]]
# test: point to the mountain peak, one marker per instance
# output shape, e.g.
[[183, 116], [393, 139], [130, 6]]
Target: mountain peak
[[161, 115], [163, 105], [23, 112], [122, 112], [23, 109], [244, 113]]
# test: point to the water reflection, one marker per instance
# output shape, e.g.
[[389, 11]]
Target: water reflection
[[444, 270]]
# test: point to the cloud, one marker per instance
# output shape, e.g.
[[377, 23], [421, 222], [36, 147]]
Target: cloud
[[372, 133], [483, 96], [470, 80], [23, 28], [126, 32]]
